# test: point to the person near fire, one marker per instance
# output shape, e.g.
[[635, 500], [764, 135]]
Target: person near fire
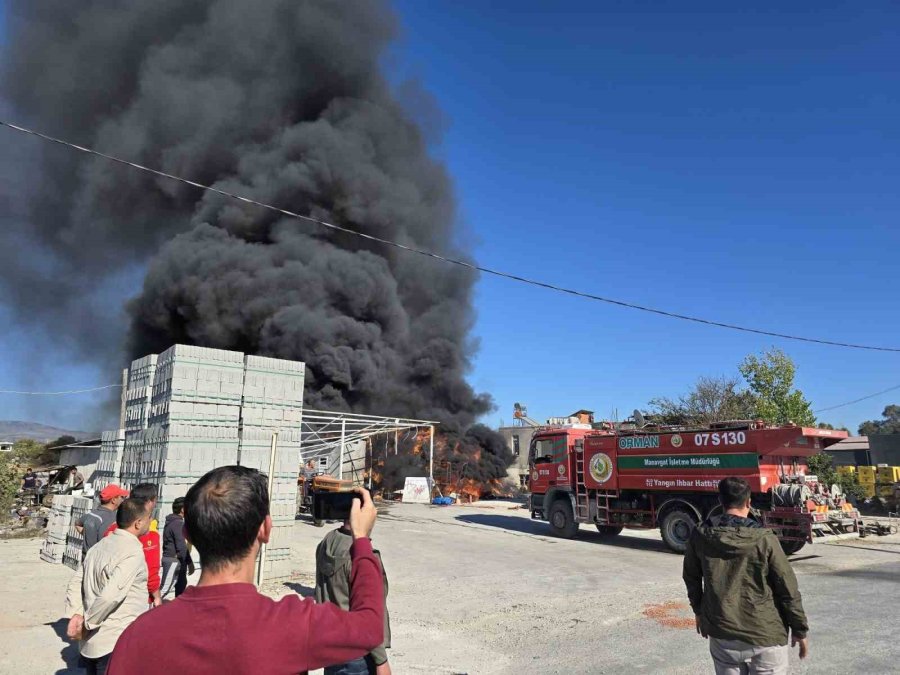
[[333, 570], [742, 589]]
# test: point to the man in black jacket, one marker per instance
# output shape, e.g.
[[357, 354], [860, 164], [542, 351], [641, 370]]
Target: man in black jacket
[[176, 558]]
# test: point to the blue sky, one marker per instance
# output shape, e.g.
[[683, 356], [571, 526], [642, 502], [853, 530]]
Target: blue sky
[[736, 164]]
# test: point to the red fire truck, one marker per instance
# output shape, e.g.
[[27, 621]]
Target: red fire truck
[[639, 476]]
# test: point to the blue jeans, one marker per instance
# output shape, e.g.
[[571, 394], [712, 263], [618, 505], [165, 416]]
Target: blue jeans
[[358, 666]]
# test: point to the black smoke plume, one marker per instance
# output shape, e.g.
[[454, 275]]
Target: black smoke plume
[[283, 101]]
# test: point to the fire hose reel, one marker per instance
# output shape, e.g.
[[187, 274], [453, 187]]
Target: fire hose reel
[[790, 495]]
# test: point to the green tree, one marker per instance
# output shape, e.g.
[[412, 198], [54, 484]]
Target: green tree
[[822, 466], [826, 425], [713, 399], [26, 451], [889, 425], [10, 480], [770, 377]]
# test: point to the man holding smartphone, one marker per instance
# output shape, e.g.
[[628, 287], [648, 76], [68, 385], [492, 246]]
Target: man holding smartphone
[[223, 624]]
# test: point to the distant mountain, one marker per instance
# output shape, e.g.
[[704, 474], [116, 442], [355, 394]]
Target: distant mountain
[[14, 430]]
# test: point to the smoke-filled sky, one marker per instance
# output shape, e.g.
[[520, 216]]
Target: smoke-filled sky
[[286, 104], [729, 162]]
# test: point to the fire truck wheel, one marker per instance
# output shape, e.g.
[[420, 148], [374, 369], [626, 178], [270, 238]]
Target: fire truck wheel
[[676, 528], [562, 520], [791, 547], [609, 530]]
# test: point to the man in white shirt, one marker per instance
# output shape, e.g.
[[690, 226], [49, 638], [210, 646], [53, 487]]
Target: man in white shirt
[[109, 589]]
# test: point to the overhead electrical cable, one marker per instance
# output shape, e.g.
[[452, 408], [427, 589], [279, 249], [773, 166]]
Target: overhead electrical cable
[[857, 400], [452, 261], [58, 393]]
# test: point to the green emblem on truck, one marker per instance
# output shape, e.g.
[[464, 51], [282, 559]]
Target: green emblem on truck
[[601, 467]]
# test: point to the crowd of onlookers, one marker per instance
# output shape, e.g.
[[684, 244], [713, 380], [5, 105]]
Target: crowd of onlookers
[[118, 601]]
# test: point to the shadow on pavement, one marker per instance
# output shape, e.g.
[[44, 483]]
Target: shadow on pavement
[[871, 548], [300, 589], [884, 572], [539, 528], [69, 653]]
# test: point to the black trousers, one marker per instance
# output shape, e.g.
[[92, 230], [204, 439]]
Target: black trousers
[[96, 666]]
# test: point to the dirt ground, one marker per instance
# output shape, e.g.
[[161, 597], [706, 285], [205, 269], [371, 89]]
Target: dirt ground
[[484, 589]]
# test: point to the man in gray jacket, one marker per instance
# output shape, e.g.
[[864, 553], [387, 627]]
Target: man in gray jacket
[[333, 585]]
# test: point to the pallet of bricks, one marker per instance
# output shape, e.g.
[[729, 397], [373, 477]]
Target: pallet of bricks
[[74, 540], [109, 464], [208, 408], [54, 547], [191, 426], [272, 402]]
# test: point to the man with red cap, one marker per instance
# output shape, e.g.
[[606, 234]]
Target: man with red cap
[[93, 524]]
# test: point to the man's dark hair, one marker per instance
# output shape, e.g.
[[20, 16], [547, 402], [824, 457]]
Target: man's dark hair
[[223, 512], [129, 511], [145, 491], [178, 505], [733, 492]]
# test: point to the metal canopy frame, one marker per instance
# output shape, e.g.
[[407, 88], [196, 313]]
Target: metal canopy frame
[[324, 431]]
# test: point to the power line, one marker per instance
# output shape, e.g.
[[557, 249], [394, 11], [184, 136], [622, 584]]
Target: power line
[[864, 398], [58, 393], [453, 261]]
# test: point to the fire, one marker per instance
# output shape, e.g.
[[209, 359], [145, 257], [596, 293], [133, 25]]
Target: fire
[[458, 467]]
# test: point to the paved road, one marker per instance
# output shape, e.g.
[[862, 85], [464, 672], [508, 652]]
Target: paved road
[[478, 590]]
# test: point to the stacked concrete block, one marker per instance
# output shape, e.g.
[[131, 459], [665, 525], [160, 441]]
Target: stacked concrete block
[[273, 401], [192, 409], [199, 375], [109, 465], [138, 395], [273, 382], [131, 470], [74, 540], [58, 524]]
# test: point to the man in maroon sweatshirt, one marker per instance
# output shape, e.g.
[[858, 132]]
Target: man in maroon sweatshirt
[[223, 625]]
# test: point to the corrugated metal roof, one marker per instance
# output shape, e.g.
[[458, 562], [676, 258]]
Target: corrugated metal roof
[[850, 444]]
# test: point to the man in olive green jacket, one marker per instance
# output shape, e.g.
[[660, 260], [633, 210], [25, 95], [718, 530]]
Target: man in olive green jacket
[[333, 585], [742, 589]]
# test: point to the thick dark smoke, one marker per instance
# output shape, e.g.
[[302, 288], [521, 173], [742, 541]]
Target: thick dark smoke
[[280, 100]]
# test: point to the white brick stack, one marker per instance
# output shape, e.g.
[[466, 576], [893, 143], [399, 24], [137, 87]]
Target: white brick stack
[[109, 465], [74, 540], [54, 546], [141, 377], [273, 401], [192, 409]]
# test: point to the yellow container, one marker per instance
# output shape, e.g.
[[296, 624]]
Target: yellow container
[[866, 474], [867, 480], [846, 470], [888, 474], [868, 489], [885, 490]]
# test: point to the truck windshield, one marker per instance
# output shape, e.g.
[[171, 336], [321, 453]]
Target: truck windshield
[[543, 451]]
